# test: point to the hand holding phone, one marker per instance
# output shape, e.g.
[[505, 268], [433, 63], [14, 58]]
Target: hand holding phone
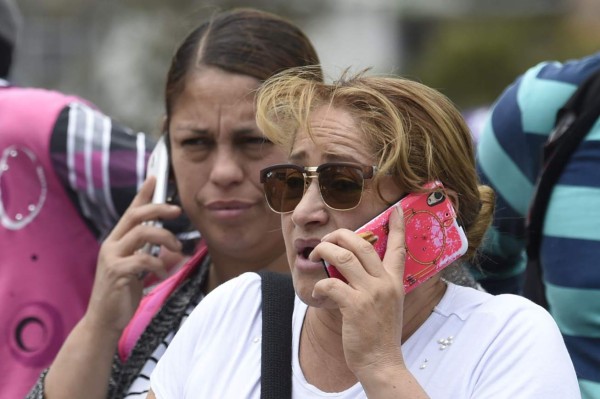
[[433, 237]]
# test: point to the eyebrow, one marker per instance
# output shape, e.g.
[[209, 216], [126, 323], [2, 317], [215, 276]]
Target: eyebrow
[[237, 132], [191, 128], [245, 131]]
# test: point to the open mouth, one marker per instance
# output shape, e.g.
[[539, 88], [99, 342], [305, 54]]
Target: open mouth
[[305, 253]]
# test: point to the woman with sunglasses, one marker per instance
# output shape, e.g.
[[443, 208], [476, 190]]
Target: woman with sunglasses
[[216, 153], [355, 147]]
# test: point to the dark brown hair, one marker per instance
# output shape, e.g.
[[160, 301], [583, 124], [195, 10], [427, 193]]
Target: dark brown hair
[[244, 41]]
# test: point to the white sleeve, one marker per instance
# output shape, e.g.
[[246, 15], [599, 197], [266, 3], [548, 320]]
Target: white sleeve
[[528, 358]]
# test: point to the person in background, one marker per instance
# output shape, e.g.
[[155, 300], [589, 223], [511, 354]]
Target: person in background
[[67, 174], [508, 159], [476, 118], [355, 147], [216, 152]]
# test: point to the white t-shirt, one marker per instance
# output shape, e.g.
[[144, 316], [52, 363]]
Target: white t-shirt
[[474, 345]]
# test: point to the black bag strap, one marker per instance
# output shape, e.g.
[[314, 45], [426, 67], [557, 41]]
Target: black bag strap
[[277, 308], [574, 120]]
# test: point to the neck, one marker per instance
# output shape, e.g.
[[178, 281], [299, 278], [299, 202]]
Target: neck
[[419, 304], [223, 267], [321, 352]]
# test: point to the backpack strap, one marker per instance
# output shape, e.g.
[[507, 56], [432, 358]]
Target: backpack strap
[[277, 307], [574, 120]]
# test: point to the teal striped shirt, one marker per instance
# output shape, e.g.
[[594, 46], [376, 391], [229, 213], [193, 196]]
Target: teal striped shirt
[[508, 159]]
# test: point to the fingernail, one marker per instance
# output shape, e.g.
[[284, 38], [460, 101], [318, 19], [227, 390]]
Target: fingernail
[[399, 210]]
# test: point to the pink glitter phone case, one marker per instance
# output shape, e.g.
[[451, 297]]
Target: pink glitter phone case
[[433, 237]]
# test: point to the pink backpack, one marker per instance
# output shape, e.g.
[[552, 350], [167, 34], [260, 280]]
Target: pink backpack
[[44, 290]]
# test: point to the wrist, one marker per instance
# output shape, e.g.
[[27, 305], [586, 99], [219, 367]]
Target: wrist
[[98, 329], [391, 381]]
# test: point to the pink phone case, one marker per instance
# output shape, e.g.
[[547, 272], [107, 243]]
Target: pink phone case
[[433, 237]]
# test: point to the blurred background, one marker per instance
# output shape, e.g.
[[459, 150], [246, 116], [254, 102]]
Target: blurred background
[[116, 52]]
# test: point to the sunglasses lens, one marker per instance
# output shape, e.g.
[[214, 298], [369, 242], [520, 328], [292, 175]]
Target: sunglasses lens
[[284, 188], [341, 186]]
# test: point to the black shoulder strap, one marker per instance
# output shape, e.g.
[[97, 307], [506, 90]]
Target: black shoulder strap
[[277, 308], [574, 120]]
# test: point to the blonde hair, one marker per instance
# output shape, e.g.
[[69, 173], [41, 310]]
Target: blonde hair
[[415, 133]]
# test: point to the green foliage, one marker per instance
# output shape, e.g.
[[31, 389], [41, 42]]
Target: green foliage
[[473, 59]]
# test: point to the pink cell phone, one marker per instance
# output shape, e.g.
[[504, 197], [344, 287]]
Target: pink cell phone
[[433, 237]]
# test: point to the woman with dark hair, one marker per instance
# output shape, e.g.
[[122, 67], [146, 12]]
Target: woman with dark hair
[[216, 151]]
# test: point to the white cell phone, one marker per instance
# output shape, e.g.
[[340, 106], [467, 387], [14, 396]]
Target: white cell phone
[[158, 166]]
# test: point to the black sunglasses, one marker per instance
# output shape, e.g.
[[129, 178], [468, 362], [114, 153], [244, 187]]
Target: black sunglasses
[[340, 184]]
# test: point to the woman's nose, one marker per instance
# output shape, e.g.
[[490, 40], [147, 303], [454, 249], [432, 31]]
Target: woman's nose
[[226, 169], [311, 208]]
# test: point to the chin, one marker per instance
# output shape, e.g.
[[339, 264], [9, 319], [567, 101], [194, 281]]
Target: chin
[[304, 287]]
